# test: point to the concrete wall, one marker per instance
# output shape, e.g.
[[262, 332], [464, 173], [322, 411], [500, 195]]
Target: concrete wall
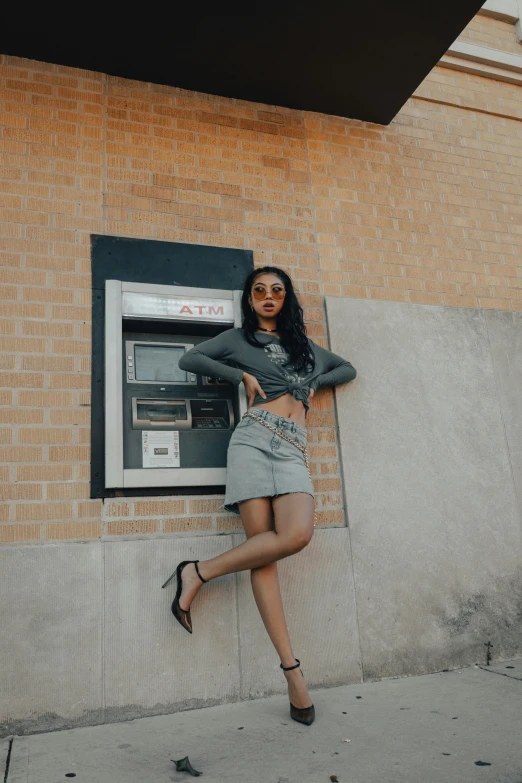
[[88, 636], [431, 442]]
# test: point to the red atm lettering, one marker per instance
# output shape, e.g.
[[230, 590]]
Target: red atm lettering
[[212, 310]]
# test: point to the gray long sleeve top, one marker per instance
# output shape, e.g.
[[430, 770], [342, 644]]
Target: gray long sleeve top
[[229, 355]]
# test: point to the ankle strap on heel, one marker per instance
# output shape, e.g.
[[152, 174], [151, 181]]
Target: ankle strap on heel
[[286, 668], [197, 569]]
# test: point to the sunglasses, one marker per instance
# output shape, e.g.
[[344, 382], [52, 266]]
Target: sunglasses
[[259, 292]]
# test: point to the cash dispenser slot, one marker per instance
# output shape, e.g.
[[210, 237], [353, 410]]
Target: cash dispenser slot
[[149, 414]]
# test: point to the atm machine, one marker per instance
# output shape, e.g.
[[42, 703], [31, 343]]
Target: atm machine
[[165, 427]]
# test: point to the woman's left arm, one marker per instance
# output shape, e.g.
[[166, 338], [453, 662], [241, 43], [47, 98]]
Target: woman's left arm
[[338, 370]]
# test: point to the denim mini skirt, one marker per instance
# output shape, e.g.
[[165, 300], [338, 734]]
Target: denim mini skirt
[[260, 463]]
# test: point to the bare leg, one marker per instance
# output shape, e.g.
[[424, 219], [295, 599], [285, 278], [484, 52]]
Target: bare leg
[[257, 516], [294, 527], [297, 512]]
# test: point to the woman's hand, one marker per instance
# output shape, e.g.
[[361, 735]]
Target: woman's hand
[[252, 387], [311, 393]]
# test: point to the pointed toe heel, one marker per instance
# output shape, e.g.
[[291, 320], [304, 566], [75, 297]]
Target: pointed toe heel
[[304, 715], [182, 616]]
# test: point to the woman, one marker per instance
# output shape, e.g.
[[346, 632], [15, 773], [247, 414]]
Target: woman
[[268, 480]]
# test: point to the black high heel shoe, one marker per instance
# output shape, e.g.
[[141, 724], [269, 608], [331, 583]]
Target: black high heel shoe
[[182, 616], [301, 714]]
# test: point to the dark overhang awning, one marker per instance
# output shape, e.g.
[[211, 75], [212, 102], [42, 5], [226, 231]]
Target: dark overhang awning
[[361, 60]]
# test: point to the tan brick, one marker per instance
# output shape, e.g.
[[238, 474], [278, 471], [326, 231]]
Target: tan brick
[[326, 436], [322, 452], [7, 361], [73, 347], [221, 188], [64, 313], [117, 509], [330, 517], [71, 281], [327, 484], [84, 364], [7, 327], [183, 524], [205, 505], [148, 508], [53, 263], [328, 468], [47, 329], [21, 276], [45, 399], [329, 499], [131, 527], [48, 363], [21, 344], [84, 435], [21, 454], [8, 292], [231, 522], [19, 310], [6, 397], [67, 491], [44, 435], [12, 533], [69, 416], [58, 295], [72, 381], [90, 508], [83, 472], [42, 511], [4, 472], [22, 380], [67, 530], [69, 453], [44, 472], [20, 491]]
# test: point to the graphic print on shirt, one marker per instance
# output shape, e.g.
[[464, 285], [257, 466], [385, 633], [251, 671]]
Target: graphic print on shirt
[[277, 354]]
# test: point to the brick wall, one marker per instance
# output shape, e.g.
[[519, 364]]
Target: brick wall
[[425, 210], [493, 33]]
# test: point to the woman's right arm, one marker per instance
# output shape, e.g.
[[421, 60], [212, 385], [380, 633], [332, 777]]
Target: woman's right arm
[[203, 359]]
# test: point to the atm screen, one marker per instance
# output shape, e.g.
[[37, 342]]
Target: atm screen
[[159, 363]]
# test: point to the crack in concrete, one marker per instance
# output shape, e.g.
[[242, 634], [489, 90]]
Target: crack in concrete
[[8, 760], [490, 671]]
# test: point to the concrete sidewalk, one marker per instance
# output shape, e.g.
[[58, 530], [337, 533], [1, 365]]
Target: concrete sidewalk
[[450, 727]]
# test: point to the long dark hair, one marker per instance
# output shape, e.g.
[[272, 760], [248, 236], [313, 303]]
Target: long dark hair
[[290, 322]]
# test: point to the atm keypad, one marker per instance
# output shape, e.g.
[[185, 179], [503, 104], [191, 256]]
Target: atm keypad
[[130, 368], [210, 423]]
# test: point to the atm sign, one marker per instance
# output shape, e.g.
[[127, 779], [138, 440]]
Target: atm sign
[[177, 308]]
